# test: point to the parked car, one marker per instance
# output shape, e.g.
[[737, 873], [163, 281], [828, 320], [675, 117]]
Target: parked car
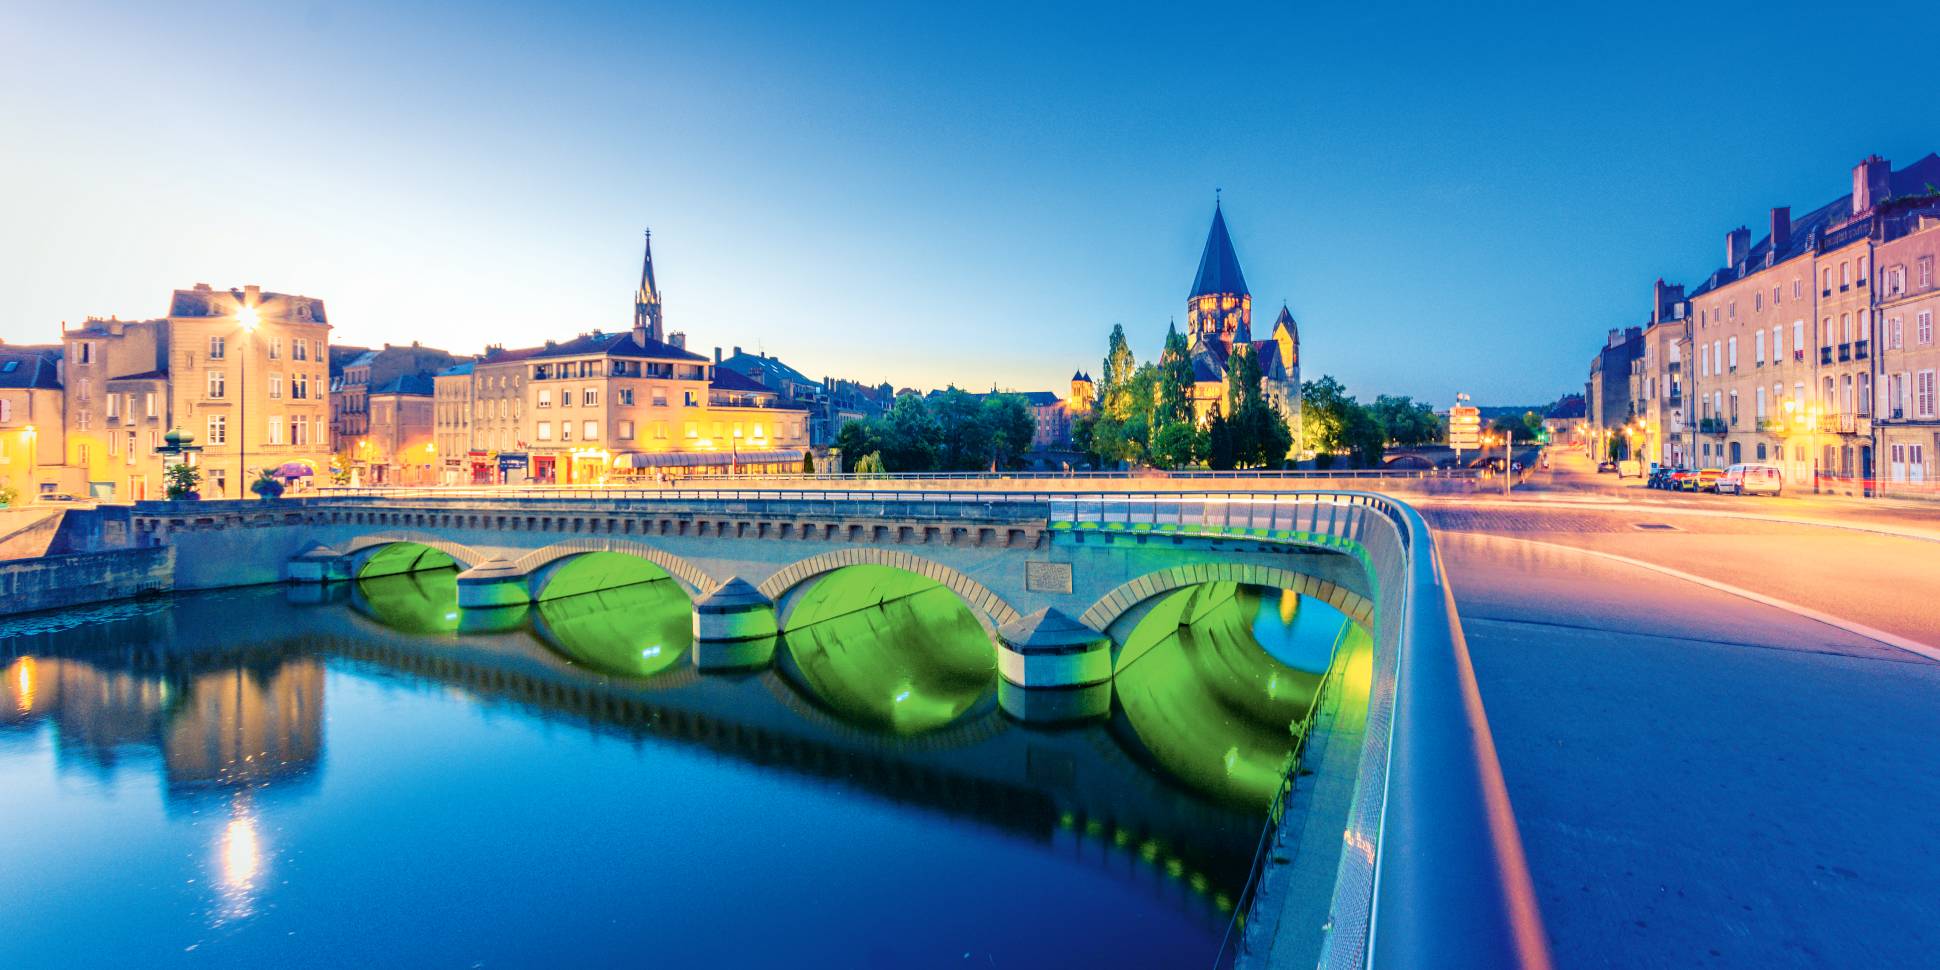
[[1606, 466], [1683, 480], [1660, 476], [1707, 479], [1747, 479]]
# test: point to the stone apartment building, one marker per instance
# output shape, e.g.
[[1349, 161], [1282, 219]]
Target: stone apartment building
[[399, 445], [33, 436], [1784, 356], [349, 390], [452, 423], [1657, 379], [243, 370], [1908, 418]]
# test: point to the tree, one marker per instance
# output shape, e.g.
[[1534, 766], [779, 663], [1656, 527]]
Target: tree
[[1409, 424], [1323, 403], [1175, 380], [1361, 433], [1011, 428], [1114, 389], [267, 485], [181, 480], [1220, 452], [1259, 432], [869, 465], [1176, 445], [858, 438], [965, 440], [913, 439]]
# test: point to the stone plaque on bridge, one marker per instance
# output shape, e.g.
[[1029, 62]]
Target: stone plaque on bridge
[[1047, 577]]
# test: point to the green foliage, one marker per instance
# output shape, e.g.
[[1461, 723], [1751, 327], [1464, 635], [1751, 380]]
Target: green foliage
[[1114, 388], [958, 431], [1259, 432], [1177, 445], [1336, 423], [912, 439], [181, 480], [1408, 423], [1221, 454], [1175, 381], [7, 494], [869, 465]]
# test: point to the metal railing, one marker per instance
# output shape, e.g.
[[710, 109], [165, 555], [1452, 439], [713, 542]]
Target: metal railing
[[1432, 853]]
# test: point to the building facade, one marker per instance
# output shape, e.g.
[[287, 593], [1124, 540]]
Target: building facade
[[452, 407], [1908, 417], [399, 445], [33, 434], [1801, 351], [243, 370], [350, 388]]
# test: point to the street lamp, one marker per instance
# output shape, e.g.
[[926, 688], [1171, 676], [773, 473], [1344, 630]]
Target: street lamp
[[248, 319]]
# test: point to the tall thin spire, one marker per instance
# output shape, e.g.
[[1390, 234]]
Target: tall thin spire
[[646, 300], [1219, 264]]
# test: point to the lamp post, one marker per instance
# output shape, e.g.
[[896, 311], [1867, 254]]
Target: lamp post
[[248, 319]]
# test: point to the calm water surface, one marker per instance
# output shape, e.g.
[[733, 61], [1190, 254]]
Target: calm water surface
[[365, 774]]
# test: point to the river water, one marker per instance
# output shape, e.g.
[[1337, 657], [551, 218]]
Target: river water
[[364, 774]]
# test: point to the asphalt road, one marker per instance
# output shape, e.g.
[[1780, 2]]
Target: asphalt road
[[1702, 778]]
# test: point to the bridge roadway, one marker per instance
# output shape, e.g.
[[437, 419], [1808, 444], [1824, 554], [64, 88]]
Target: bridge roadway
[[1703, 778]]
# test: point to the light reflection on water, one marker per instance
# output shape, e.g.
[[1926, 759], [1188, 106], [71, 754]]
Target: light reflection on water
[[473, 750]]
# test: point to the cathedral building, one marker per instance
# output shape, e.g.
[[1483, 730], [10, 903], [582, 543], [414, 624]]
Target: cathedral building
[[1219, 324]]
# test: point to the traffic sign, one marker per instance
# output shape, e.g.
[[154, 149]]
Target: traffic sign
[[1464, 428]]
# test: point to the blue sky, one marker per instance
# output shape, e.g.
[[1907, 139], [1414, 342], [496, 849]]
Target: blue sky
[[1450, 197]]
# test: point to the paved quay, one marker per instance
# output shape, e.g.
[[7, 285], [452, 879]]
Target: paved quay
[[1701, 780]]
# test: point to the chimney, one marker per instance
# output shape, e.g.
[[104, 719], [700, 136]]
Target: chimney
[[717, 355], [1737, 245], [677, 339], [737, 351], [1781, 229], [1871, 183], [253, 294]]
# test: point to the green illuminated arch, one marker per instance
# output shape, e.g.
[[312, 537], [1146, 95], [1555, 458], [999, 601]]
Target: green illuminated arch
[[1216, 679], [411, 601], [587, 572], [888, 649], [392, 558], [636, 630]]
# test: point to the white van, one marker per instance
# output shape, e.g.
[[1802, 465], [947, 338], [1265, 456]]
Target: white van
[[1751, 480]]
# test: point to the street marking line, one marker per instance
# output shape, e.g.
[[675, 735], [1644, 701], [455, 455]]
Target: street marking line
[[1675, 510], [1838, 623]]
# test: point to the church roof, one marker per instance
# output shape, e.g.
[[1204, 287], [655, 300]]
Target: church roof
[[1218, 265], [1286, 319]]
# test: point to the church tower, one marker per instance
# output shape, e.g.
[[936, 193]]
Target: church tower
[[646, 303], [1219, 308]]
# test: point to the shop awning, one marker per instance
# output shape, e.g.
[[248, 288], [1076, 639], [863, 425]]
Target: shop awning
[[694, 459]]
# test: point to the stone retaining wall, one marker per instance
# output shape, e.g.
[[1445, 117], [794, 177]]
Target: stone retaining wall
[[53, 582]]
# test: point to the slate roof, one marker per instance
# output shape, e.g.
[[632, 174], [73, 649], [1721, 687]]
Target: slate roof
[[745, 364], [613, 345], [1218, 265], [456, 370], [1911, 180], [1039, 399], [410, 385], [32, 369], [726, 379], [147, 375]]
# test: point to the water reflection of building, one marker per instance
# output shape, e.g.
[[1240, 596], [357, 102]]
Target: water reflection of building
[[232, 726]]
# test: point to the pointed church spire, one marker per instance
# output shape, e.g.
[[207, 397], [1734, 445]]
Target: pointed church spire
[[1218, 265], [646, 301]]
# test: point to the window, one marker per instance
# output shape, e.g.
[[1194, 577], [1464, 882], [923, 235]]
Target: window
[[297, 350], [690, 400], [590, 397], [1778, 344], [1923, 328], [590, 431], [275, 429], [1923, 394], [113, 411], [545, 431], [299, 386], [131, 447], [1798, 339], [626, 431], [545, 398], [1758, 349], [660, 397], [1865, 400], [1828, 281], [1798, 288], [1734, 408], [693, 430], [218, 429], [1926, 273], [1895, 333], [84, 352], [1845, 328], [1717, 356], [216, 348], [1865, 324], [298, 431], [114, 444], [1775, 292], [626, 395], [1733, 345], [215, 384], [148, 403], [1757, 301], [275, 386], [565, 431], [1845, 273], [660, 429], [1825, 331], [1704, 360], [1732, 310]]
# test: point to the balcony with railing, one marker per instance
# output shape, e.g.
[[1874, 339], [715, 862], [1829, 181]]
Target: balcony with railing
[[1711, 426], [1845, 352], [1825, 355], [1860, 349]]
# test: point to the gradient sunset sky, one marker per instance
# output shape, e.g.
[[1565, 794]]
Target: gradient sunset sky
[[1450, 198]]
